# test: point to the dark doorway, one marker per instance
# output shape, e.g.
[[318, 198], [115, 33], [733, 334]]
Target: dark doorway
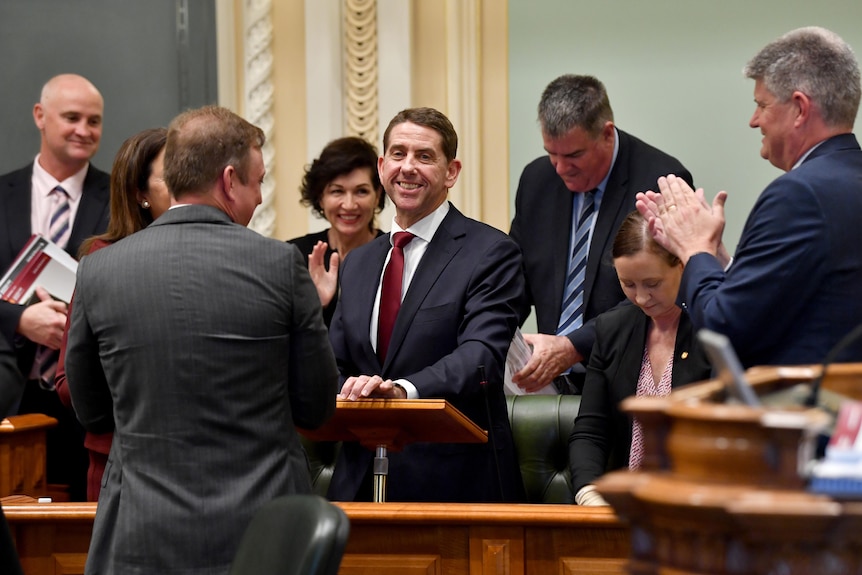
[[151, 59]]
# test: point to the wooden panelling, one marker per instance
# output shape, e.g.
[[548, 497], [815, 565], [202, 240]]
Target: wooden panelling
[[386, 539]]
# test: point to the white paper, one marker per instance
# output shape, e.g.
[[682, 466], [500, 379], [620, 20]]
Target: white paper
[[518, 356]]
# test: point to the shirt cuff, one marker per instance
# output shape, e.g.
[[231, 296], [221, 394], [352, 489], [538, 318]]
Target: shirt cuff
[[412, 392]]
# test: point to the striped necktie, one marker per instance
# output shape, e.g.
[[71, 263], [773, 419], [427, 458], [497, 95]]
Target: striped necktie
[[60, 226], [572, 314], [59, 230]]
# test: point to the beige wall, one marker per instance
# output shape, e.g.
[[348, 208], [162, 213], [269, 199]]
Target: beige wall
[[437, 70]]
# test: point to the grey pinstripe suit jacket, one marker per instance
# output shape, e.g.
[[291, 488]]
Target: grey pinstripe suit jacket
[[202, 344]]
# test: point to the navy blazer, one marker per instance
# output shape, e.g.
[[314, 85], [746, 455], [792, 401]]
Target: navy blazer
[[459, 313], [602, 436], [15, 199], [795, 286], [542, 227]]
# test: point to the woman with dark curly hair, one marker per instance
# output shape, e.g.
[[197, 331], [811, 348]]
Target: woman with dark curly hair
[[343, 187]]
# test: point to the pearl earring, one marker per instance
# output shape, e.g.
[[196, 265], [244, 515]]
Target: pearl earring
[[145, 204]]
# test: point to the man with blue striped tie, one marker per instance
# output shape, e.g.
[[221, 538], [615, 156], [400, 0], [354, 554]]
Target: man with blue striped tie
[[63, 197], [568, 208]]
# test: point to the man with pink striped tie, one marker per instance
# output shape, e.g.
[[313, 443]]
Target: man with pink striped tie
[[63, 197]]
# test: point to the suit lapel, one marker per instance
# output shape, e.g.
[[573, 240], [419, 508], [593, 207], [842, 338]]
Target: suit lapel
[[685, 369], [445, 244], [16, 210], [613, 201], [94, 203], [633, 353], [366, 292], [560, 219]]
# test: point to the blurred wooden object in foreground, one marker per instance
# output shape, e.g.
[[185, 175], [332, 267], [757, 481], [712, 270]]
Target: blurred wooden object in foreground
[[723, 486]]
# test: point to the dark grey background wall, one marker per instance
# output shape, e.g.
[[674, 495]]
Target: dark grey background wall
[[150, 59]]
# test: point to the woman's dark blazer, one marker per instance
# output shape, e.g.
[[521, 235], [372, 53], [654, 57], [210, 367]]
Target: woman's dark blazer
[[602, 436], [305, 244]]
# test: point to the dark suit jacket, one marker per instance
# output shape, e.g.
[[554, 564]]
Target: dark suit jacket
[[91, 219], [602, 436], [459, 313], [542, 227], [9, 563], [210, 339], [794, 288]]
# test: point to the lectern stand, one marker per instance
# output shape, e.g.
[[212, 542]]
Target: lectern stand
[[384, 425]]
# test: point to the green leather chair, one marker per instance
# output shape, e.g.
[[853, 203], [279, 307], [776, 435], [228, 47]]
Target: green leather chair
[[541, 425], [293, 535]]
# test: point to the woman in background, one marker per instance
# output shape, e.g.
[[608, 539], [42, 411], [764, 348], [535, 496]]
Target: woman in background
[[343, 187], [138, 196], [643, 349]]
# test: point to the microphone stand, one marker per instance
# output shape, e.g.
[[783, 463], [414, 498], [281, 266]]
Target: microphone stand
[[483, 381], [851, 337]]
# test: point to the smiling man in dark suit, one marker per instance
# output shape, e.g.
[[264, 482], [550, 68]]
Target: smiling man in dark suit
[[69, 118], [458, 297], [588, 180], [792, 291]]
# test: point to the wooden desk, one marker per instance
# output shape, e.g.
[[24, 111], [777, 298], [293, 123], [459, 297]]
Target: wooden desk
[[388, 538], [22, 454]]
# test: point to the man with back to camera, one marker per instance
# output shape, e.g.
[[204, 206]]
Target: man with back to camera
[[792, 290], [451, 310], [210, 338], [578, 199], [61, 184]]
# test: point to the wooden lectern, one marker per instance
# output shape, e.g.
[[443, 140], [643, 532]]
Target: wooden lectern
[[390, 424], [723, 488]]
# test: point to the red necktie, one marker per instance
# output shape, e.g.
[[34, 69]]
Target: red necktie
[[390, 293]]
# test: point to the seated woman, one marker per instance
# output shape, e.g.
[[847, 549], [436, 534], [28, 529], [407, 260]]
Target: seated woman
[[138, 196], [643, 349], [343, 187]]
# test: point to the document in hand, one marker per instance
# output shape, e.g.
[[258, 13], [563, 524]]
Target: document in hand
[[40, 263], [518, 356]]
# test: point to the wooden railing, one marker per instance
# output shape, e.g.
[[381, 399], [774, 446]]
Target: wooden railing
[[386, 539]]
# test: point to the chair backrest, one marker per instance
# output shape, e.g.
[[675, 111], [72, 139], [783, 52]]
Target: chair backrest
[[541, 425], [293, 535]]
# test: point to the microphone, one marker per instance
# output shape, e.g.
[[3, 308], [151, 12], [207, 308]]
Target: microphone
[[845, 341], [483, 382]]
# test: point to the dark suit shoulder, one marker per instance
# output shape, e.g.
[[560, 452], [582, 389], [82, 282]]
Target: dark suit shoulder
[[617, 321], [482, 236], [14, 177], [307, 242], [98, 183], [539, 171], [641, 147]]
